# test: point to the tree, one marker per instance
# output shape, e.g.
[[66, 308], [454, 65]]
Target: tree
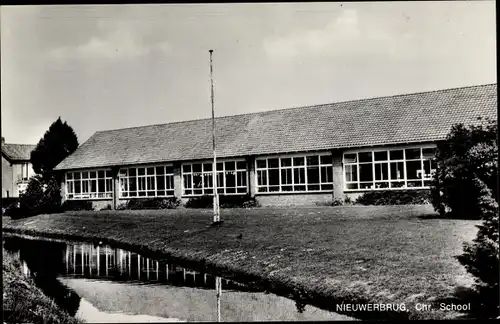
[[57, 143], [467, 154]]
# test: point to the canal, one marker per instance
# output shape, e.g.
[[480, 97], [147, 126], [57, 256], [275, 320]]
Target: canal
[[100, 283]]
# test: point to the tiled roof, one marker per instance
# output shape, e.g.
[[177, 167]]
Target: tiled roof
[[17, 152], [417, 117]]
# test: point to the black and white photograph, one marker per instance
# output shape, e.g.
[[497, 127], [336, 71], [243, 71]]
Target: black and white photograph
[[246, 162]]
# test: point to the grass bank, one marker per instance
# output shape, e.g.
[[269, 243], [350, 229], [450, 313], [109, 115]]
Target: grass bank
[[24, 302], [324, 256]]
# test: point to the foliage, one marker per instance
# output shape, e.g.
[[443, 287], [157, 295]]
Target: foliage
[[481, 258], [394, 197], [337, 201], [468, 154], [38, 199], [153, 203], [57, 143], [225, 201], [73, 205], [9, 204]]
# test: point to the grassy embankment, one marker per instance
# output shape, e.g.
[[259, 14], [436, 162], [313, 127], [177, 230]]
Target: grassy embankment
[[24, 302], [324, 256]]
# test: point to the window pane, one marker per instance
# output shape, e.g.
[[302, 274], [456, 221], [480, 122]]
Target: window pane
[[220, 180], [160, 170], [326, 159], [351, 173], [123, 185], [207, 167], [241, 165], [142, 194], [273, 163], [188, 192], [381, 156], [326, 187], [151, 183], [413, 184], [287, 188], [169, 170], [69, 175], [297, 161], [397, 171], [286, 162], [160, 193], [208, 191], [141, 171], [429, 168], [151, 193], [312, 160], [186, 168], [207, 180], [274, 177], [299, 175], [132, 184], [365, 172], [313, 187], [381, 171], [85, 175], [261, 164], [187, 181], [142, 183], [102, 185], [350, 158], [170, 182], [366, 185], [220, 166], [299, 188], [412, 154], [230, 166], [380, 185], [262, 189], [241, 190], [413, 170], [92, 175], [197, 180], [230, 190], [397, 184], [70, 186], [132, 172], [428, 153], [286, 176], [78, 175], [78, 188], [85, 186], [197, 167], [396, 155], [261, 178], [352, 186], [123, 173], [108, 174], [326, 174], [242, 178], [313, 175], [365, 157]]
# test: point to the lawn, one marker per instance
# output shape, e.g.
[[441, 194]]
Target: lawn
[[327, 255]]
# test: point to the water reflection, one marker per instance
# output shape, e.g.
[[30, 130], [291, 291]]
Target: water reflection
[[90, 280]]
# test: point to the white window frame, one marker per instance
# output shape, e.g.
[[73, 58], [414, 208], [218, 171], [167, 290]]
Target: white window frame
[[221, 188], [168, 178], [388, 162], [292, 167], [107, 194]]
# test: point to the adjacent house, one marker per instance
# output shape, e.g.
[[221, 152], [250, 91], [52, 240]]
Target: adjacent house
[[296, 156], [16, 168]]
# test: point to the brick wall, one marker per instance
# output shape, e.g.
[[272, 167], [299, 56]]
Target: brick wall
[[307, 199]]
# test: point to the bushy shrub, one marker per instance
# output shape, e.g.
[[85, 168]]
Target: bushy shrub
[[337, 201], [225, 201], [153, 203], [468, 154], [38, 199], [481, 258], [395, 197], [75, 205], [9, 204]]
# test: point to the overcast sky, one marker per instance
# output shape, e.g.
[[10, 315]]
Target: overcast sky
[[107, 67]]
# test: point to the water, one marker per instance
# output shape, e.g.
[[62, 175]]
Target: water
[[99, 283]]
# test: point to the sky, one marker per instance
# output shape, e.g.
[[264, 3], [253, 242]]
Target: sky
[[105, 67]]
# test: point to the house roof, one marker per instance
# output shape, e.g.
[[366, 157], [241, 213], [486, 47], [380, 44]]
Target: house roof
[[417, 117], [17, 152]]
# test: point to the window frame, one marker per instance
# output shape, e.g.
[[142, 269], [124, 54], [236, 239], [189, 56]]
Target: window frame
[[146, 176], [205, 190], [108, 193], [389, 181], [293, 167]]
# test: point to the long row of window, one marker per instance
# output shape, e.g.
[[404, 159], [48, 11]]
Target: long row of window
[[297, 173], [363, 170], [399, 168]]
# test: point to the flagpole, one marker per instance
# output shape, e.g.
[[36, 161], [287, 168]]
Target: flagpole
[[214, 168]]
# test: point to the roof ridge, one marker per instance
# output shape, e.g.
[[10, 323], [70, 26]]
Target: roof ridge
[[298, 107]]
